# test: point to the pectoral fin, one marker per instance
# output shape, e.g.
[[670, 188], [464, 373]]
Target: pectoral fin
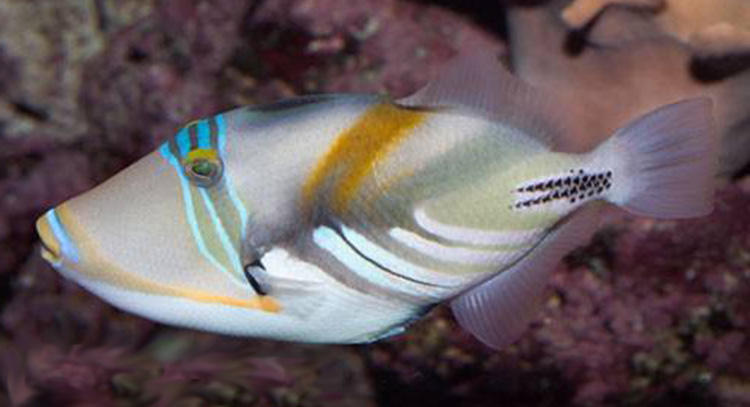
[[498, 310]]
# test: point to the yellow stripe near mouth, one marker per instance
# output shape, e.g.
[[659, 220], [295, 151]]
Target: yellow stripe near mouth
[[101, 270], [50, 246], [356, 151]]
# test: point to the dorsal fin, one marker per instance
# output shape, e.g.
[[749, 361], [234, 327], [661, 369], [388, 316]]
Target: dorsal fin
[[478, 84]]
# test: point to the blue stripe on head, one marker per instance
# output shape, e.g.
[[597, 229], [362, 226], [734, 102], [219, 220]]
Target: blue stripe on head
[[193, 221], [183, 142], [204, 141], [67, 247], [189, 208], [167, 154], [222, 136], [231, 251], [204, 135]]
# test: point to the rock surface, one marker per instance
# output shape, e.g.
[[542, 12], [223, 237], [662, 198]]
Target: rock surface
[[611, 61]]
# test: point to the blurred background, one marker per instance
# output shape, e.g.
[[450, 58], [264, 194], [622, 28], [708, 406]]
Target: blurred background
[[649, 314]]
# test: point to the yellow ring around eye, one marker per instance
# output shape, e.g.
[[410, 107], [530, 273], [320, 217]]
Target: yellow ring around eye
[[198, 161], [202, 154]]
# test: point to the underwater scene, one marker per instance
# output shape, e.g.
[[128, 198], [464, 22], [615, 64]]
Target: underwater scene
[[376, 203]]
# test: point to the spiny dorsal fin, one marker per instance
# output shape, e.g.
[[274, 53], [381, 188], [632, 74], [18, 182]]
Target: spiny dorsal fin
[[478, 84]]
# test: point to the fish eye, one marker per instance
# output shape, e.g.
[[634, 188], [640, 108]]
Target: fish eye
[[204, 172], [203, 168]]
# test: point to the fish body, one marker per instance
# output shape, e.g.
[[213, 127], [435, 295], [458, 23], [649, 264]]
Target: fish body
[[343, 218]]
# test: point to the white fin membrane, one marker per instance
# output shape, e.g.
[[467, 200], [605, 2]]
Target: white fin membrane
[[669, 159], [478, 83], [498, 310]]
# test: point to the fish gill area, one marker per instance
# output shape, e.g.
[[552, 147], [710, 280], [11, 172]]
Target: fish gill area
[[650, 313]]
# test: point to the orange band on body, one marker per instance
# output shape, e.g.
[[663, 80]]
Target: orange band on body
[[356, 151]]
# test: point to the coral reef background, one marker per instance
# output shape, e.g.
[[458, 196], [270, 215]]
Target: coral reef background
[[651, 313]]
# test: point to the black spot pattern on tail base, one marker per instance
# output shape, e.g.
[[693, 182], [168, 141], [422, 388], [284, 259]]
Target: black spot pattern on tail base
[[576, 186]]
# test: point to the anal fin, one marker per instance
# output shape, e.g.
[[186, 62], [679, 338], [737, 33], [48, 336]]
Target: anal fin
[[497, 311]]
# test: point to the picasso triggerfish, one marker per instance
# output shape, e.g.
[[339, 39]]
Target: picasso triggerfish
[[343, 218]]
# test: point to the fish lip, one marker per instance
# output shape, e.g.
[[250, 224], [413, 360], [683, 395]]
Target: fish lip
[[50, 247], [49, 254]]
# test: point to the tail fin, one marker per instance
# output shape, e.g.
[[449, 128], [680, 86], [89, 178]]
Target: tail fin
[[665, 161]]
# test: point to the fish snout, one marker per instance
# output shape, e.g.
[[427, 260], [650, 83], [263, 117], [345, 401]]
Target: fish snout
[[50, 246], [57, 245]]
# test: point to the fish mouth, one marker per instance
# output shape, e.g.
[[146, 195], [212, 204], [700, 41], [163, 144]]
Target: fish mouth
[[49, 254], [51, 249]]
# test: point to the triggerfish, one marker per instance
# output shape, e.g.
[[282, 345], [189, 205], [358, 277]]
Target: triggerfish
[[344, 218]]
